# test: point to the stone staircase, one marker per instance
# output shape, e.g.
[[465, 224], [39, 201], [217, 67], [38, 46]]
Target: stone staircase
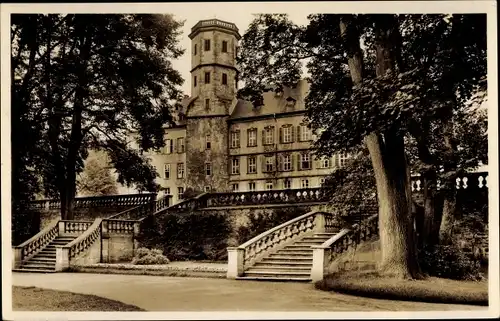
[[291, 263], [45, 260]]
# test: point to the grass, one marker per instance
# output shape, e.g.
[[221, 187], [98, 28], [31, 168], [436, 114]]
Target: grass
[[36, 299], [433, 290]]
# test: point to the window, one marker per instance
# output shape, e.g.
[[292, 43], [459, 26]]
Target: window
[[195, 50], [207, 77], [207, 189], [180, 170], [235, 139], [208, 169], [304, 183], [269, 136], [287, 184], [252, 164], [251, 186], [269, 164], [166, 190], [305, 133], [252, 137], [207, 44], [342, 159], [235, 187], [269, 186], [169, 144], [180, 145], [207, 103], [180, 191], [287, 162], [286, 134], [321, 181], [224, 79], [195, 83], [166, 171], [208, 142], [305, 161], [324, 162], [235, 166], [224, 46]]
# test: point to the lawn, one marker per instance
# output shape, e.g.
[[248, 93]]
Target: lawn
[[432, 289], [36, 299]]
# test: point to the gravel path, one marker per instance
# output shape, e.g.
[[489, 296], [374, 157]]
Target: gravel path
[[157, 293]]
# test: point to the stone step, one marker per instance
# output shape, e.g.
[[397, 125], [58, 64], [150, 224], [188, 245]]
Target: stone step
[[298, 247], [291, 257], [45, 255], [31, 264], [279, 268], [278, 274], [274, 279], [43, 259], [292, 261], [314, 239], [329, 234], [295, 252], [25, 270]]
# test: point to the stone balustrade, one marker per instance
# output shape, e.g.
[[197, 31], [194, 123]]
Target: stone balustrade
[[246, 254], [308, 195], [325, 253], [98, 201], [470, 180], [29, 248], [73, 227]]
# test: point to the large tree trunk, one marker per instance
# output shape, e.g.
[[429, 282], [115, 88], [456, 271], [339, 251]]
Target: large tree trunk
[[398, 246]]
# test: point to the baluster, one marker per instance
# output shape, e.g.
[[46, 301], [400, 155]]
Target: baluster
[[486, 180], [457, 180], [465, 179]]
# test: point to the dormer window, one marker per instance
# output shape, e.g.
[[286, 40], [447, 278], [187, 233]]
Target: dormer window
[[290, 102]]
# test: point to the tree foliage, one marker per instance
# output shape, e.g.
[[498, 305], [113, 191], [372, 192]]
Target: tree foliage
[[86, 81], [96, 178], [382, 80]]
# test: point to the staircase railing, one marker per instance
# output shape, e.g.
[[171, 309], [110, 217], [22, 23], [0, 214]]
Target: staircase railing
[[304, 195], [29, 248], [138, 212], [347, 238], [243, 256], [78, 246], [189, 204]]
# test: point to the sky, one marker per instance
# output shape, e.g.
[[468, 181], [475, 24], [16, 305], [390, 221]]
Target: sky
[[242, 20]]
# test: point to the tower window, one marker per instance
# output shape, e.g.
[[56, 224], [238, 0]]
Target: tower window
[[195, 81], [207, 77], [224, 46], [207, 103], [208, 142], [207, 44], [195, 50], [224, 79]]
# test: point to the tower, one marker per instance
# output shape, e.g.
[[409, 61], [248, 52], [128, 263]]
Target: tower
[[213, 90]]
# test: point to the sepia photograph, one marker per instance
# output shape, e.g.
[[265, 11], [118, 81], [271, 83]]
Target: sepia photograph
[[249, 160]]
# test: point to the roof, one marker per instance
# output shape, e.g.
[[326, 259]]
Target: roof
[[273, 103]]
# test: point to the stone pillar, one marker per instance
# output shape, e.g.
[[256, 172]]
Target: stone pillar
[[16, 257], [136, 243], [319, 221], [61, 228], [62, 259], [235, 262], [320, 260]]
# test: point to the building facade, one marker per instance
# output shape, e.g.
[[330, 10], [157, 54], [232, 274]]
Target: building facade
[[220, 143]]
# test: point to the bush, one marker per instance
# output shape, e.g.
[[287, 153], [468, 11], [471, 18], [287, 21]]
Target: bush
[[196, 236], [145, 256], [449, 261]]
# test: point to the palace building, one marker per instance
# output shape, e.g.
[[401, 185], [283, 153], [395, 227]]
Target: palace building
[[220, 143]]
